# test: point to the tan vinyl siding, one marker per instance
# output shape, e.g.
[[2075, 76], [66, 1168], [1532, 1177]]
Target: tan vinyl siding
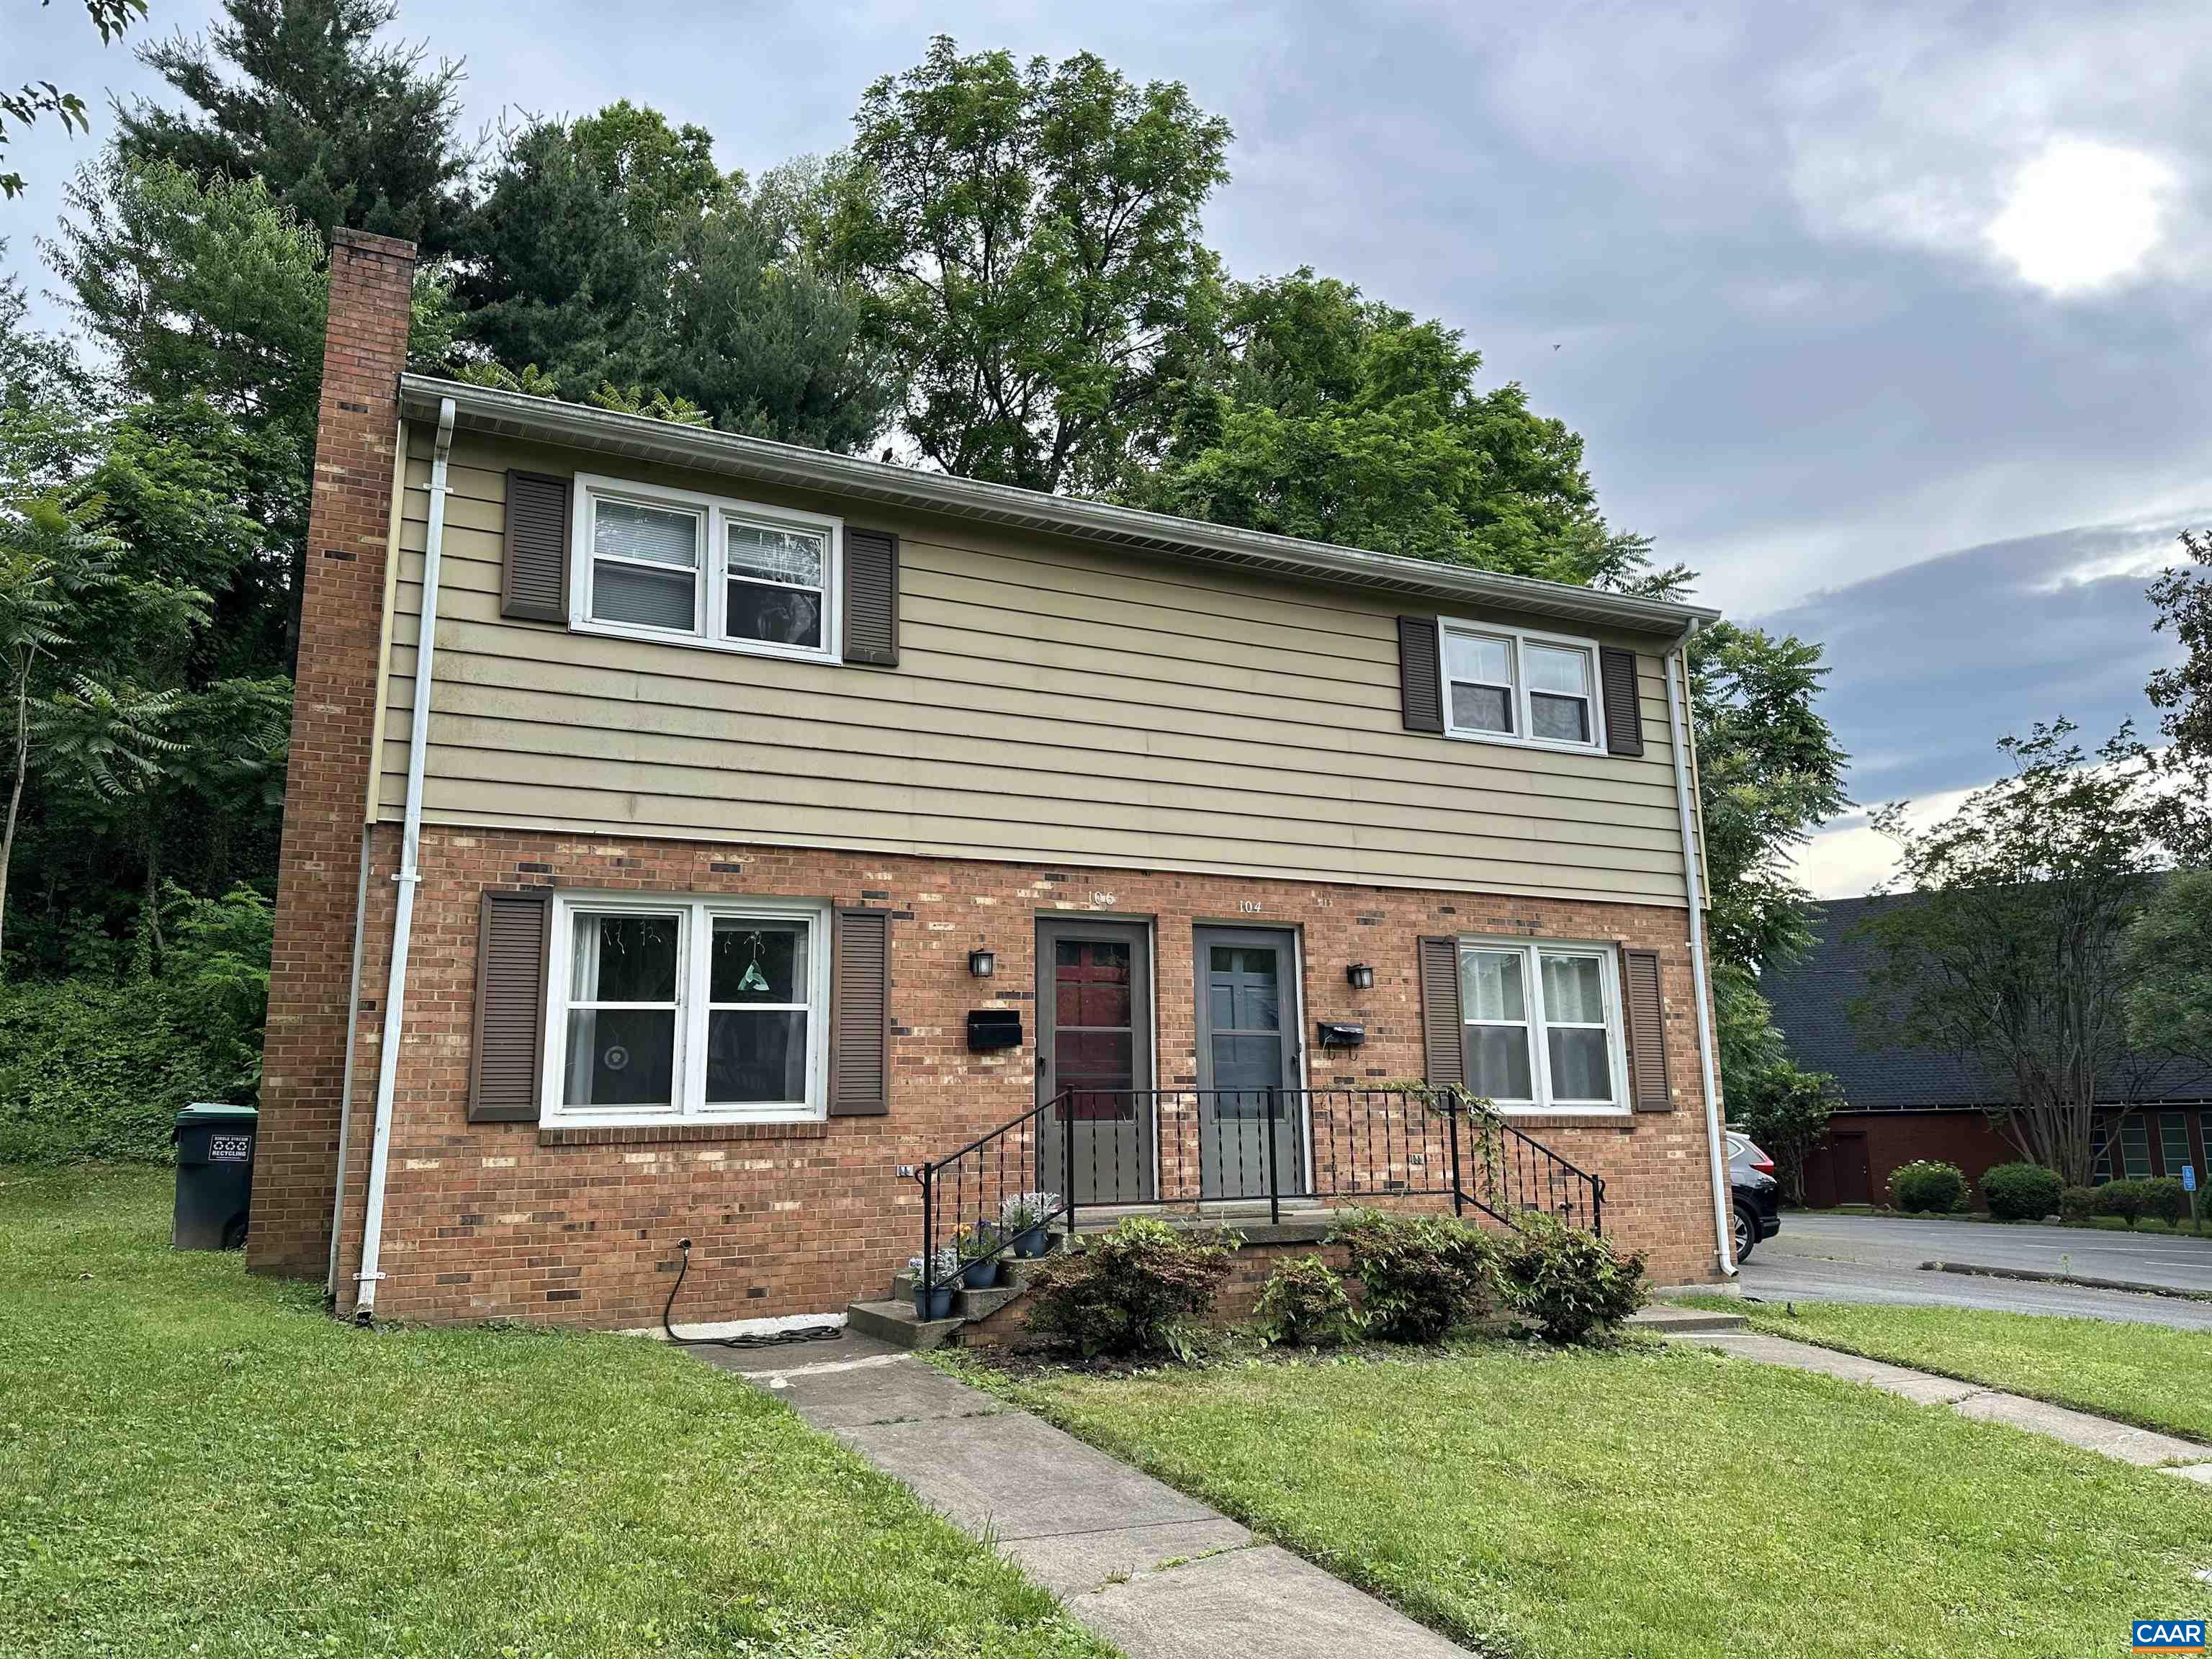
[[1054, 703]]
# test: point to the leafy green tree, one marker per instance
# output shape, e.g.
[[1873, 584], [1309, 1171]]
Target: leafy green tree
[[608, 251], [2168, 956], [36, 98], [1029, 237], [340, 128], [2182, 597], [1322, 414], [2009, 955]]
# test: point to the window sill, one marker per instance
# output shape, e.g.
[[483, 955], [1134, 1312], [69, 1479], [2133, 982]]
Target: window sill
[[699, 642], [1549, 746], [656, 1134]]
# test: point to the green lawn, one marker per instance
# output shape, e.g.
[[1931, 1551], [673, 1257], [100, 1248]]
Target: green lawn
[[195, 1462], [1664, 1502], [2150, 1375]]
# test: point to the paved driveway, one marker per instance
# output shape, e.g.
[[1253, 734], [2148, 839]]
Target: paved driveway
[[1848, 1258]]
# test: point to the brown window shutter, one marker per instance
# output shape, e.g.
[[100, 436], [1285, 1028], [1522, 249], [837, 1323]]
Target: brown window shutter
[[507, 1051], [860, 1014], [1420, 675], [1444, 1034], [1644, 1015], [871, 597], [534, 578], [1624, 703]]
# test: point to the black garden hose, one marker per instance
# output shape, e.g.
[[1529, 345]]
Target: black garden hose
[[825, 1332]]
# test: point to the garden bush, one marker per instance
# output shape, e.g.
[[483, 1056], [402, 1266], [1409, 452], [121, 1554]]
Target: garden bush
[[1568, 1283], [2077, 1204], [1139, 1289], [1421, 1274], [2123, 1199], [1928, 1187], [94, 1067], [1305, 1305], [2166, 1197], [2021, 1192]]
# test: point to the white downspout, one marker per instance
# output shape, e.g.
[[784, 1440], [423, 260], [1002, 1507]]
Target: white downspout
[[409, 877], [1678, 740]]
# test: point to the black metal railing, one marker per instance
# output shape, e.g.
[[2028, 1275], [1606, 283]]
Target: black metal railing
[[1179, 1148]]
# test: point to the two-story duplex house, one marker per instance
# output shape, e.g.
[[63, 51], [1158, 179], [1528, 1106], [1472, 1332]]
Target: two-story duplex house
[[695, 836]]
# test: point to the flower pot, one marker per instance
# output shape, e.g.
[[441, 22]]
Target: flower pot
[[1031, 1242], [933, 1304], [981, 1274]]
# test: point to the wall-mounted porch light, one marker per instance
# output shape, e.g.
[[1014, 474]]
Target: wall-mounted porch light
[[982, 963], [1360, 977]]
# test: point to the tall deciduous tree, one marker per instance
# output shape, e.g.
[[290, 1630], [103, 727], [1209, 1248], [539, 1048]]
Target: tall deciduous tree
[[341, 127], [2009, 955], [2169, 958], [1319, 413], [1028, 235]]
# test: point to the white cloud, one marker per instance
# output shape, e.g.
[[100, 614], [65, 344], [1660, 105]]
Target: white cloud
[[2082, 216], [1848, 857]]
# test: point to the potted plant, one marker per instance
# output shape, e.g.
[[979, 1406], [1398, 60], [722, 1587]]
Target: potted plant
[[978, 1250], [1022, 1218], [933, 1291]]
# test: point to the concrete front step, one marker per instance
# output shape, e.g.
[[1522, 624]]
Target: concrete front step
[[895, 1322], [1669, 1319]]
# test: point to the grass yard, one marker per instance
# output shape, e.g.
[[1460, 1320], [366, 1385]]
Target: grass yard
[[2150, 1375], [196, 1462], [1664, 1503]]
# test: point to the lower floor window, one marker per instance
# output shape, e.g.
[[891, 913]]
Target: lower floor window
[[668, 1009], [1542, 1024]]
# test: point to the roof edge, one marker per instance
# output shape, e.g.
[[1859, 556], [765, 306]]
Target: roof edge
[[517, 415]]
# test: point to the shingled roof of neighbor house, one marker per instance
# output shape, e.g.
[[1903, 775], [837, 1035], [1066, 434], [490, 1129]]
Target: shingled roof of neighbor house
[[1812, 1008]]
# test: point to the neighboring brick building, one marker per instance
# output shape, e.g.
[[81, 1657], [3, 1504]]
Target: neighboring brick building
[[1901, 1104], [741, 760]]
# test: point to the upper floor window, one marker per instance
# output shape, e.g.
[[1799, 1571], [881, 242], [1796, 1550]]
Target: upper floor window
[[1507, 686], [665, 563]]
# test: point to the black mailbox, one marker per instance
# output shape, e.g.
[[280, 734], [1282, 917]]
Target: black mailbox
[[993, 1028], [1342, 1034]]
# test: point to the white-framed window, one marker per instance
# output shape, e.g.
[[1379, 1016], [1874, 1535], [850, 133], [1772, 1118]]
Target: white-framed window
[[1542, 1025], [667, 1009], [1509, 685], [669, 564]]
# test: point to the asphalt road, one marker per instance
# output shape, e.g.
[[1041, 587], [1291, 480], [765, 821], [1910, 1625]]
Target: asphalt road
[[1846, 1258]]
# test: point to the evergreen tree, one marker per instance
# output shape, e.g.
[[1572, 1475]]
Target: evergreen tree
[[342, 129]]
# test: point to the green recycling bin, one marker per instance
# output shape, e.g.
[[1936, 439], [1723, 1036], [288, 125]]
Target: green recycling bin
[[215, 1175]]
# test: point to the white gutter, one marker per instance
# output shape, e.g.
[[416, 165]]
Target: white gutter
[[409, 877], [1679, 739]]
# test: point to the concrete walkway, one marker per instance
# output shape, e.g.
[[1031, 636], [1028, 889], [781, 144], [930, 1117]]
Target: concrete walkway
[[2141, 1446], [1155, 1573]]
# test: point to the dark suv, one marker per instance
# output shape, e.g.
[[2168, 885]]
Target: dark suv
[[1758, 1194]]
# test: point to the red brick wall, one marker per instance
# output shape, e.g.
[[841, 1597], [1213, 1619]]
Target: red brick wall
[[326, 780], [510, 1221]]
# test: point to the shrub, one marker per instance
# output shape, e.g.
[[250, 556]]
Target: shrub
[[2166, 1197], [1305, 1306], [2123, 1199], [2021, 1192], [2077, 1204], [1136, 1290], [1568, 1283], [1423, 1275], [1926, 1186]]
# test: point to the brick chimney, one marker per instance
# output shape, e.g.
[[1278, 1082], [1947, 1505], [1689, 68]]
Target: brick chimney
[[333, 747]]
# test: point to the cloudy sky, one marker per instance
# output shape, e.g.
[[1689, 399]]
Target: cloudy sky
[[1889, 319]]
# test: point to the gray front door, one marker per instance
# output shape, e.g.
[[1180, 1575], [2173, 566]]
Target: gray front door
[[1248, 1062], [1095, 1057]]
